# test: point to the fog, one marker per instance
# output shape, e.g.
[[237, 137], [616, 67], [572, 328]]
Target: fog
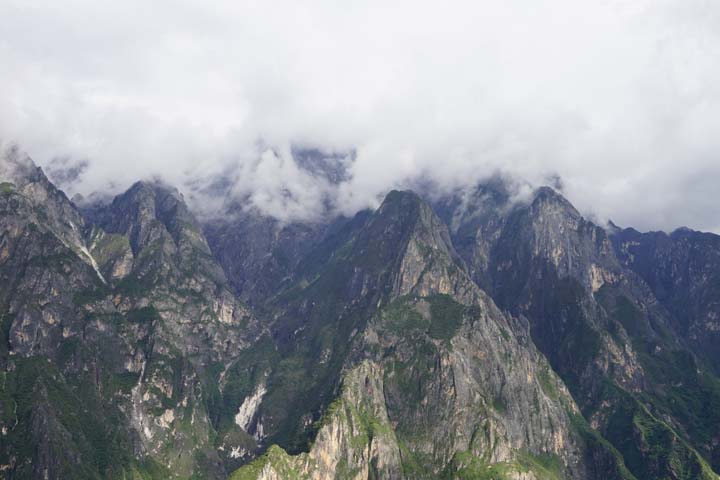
[[619, 99]]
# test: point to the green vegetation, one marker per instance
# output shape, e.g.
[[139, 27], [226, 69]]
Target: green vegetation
[[544, 466], [499, 405], [135, 286], [679, 389], [629, 316], [412, 467], [353, 410], [143, 315], [408, 379], [569, 339], [277, 459], [110, 246], [651, 449], [58, 262], [599, 448], [402, 316], [240, 379], [688, 393], [6, 321], [90, 295], [82, 431], [169, 369], [465, 465], [125, 381], [447, 316], [547, 383]]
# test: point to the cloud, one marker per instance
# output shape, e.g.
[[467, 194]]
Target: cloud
[[618, 98]]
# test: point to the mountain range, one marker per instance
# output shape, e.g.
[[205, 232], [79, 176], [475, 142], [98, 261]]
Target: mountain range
[[464, 335]]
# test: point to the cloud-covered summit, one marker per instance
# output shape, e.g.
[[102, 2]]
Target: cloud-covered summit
[[618, 98]]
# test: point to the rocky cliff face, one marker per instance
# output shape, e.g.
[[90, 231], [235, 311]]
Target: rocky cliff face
[[258, 252], [463, 389], [50, 427], [683, 271], [355, 438], [130, 315], [477, 337], [599, 324]]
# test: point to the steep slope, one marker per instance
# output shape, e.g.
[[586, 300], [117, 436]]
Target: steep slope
[[395, 344], [111, 368], [599, 325], [355, 438], [258, 252], [174, 284], [683, 271], [58, 410], [450, 385], [28, 187]]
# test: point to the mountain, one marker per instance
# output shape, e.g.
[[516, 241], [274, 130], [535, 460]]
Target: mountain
[[258, 252], [114, 334], [616, 346], [683, 270], [433, 380], [474, 335]]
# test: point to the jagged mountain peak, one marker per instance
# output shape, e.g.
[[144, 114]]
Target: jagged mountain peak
[[499, 234], [153, 198], [152, 189], [406, 227], [41, 203], [405, 212], [596, 319], [374, 344], [16, 166], [546, 193], [394, 292], [406, 209], [550, 211], [148, 212], [400, 196]]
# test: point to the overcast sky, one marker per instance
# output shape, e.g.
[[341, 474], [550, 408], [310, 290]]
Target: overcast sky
[[619, 98]]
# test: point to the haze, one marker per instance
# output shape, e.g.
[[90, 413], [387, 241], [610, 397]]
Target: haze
[[619, 99]]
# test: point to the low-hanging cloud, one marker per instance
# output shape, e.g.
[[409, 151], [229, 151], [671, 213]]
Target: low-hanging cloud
[[619, 98]]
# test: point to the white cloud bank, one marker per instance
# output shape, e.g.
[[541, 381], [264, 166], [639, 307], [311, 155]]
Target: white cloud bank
[[620, 98]]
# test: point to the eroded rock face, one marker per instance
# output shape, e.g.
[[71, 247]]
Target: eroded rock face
[[354, 441], [197, 325], [451, 389], [259, 253], [134, 318], [682, 269], [462, 387], [598, 322], [395, 344]]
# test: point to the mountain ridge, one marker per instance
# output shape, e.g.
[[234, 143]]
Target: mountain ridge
[[452, 337]]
